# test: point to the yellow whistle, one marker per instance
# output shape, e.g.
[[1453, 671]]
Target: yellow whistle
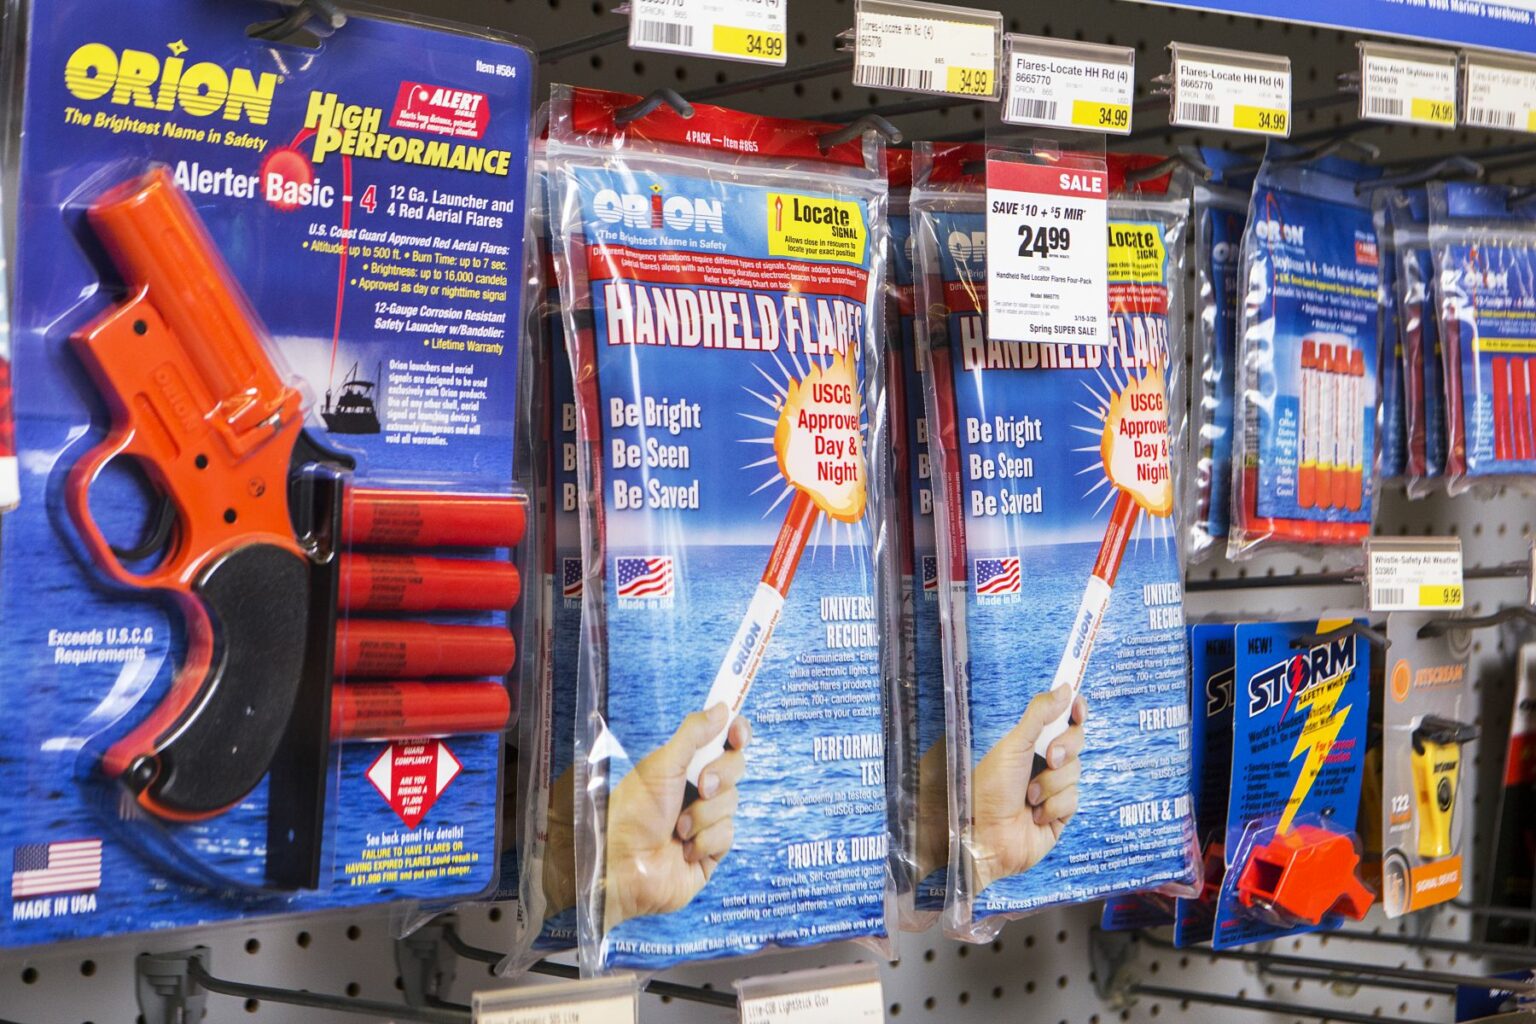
[[1436, 774]]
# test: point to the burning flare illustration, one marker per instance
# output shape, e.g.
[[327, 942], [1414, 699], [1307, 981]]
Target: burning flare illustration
[[819, 449]]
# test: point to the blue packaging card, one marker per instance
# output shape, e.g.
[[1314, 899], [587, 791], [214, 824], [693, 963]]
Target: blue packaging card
[[1486, 258], [1298, 751], [1036, 426], [731, 338], [1313, 300], [372, 213], [928, 654], [1220, 244], [1393, 424], [1212, 668]]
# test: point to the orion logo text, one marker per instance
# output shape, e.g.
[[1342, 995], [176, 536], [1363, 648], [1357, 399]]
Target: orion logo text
[[136, 78], [1274, 231], [655, 209]]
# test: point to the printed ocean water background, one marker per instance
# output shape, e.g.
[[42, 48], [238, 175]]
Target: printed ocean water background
[[559, 931], [1014, 650], [662, 663], [50, 757]]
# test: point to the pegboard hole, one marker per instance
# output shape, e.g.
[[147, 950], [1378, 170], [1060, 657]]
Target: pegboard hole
[[303, 939], [493, 915], [997, 993], [87, 968], [29, 976], [252, 1005], [354, 932], [928, 956], [963, 952], [354, 990], [965, 997], [895, 1009], [1061, 982], [1061, 936], [253, 946], [930, 1003]]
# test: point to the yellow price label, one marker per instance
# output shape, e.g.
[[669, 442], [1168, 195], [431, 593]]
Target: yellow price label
[[969, 81], [1105, 116], [1441, 595], [1530, 121], [1433, 111], [1268, 120], [752, 43]]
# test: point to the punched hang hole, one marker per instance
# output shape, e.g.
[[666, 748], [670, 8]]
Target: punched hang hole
[[309, 22]]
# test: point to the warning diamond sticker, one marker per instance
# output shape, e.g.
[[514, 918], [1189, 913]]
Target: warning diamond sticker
[[412, 775]]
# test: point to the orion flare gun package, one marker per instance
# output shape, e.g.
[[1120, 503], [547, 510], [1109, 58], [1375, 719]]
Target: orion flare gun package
[[258, 589], [1052, 468], [721, 276]]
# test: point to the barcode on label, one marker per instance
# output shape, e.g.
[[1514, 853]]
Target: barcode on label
[[1492, 117], [1027, 109], [1384, 106], [1389, 595], [1199, 113], [663, 32], [879, 77]]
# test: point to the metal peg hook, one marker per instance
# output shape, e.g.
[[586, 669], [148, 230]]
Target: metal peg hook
[[1357, 629], [661, 97], [1162, 167], [1454, 166], [868, 123], [1440, 627], [309, 22]]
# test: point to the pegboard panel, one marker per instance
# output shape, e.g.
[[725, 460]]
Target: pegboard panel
[[1038, 970]]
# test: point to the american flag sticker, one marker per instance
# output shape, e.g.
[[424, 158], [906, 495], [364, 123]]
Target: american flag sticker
[[930, 574], [647, 577], [998, 576], [41, 869], [570, 578]]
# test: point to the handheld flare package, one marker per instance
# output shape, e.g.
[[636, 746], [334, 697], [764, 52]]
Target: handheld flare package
[[1304, 455], [1053, 481], [722, 276], [258, 592], [1484, 245]]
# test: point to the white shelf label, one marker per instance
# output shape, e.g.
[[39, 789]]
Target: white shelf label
[[1045, 86], [1499, 95], [860, 1003], [1232, 91], [1415, 575], [747, 30], [610, 1000], [1408, 85], [1047, 253], [926, 48]]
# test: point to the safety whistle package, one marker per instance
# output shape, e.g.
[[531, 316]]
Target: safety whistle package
[[257, 593], [545, 888], [1302, 704], [1484, 246], [1304, 458], [1427, 732], [928, 838], [1221, 212], [1080, 688], [1417, 291], [722, 279]]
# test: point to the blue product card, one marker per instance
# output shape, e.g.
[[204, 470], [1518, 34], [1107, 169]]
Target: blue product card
[[1298, 753], [726, 366], [370, 209], [1066, 503], [928, 656], [1211, 672], [1485, 252], [1312, 330]]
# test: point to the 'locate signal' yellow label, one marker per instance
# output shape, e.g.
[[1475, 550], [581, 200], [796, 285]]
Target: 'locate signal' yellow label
[[816, 228]]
